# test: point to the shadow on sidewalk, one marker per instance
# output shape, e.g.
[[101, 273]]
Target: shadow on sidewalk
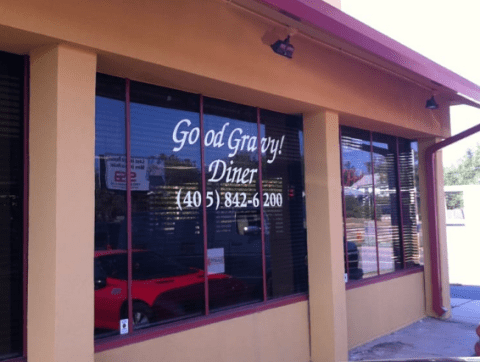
[[431, 339]]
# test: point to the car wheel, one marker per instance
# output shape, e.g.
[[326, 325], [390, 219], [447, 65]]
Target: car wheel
[[142, 314]]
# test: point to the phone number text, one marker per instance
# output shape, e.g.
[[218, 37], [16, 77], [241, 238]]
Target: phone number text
[[187, 199]]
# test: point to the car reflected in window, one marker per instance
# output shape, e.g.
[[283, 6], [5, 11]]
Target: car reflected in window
[[161, 289]]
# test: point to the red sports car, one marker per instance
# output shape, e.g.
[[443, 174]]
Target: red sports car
[[161, 290]]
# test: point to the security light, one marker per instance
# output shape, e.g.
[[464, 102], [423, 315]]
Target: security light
[[283, 47], [431, 103]]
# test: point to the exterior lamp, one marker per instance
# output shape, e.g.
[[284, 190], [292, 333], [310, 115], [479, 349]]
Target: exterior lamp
[[431, 103], [283, 47]]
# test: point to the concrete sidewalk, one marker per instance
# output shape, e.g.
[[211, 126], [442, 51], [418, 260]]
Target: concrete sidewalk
[[428, 338]]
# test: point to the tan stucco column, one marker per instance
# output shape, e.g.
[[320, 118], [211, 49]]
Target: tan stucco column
[[328, 320], [61, 205], [423, 144]]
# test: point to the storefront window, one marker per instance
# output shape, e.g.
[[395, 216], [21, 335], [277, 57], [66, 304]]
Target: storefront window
[[193, 228], [234, 233], [359, 216], [387, 221], [380, 203], [12, 188], [283, 189], [110, 267], [410, 200], [167, 240]]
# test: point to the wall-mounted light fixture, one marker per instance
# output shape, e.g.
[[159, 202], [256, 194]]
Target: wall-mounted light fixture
[[431, 103], [283, 47]]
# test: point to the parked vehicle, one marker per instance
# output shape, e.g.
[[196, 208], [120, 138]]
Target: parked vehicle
[[161, 289], [178, 238]]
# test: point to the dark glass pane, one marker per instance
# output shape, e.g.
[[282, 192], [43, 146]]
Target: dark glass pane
[[386, 201], [412, 240], [233, 212], [110, 203], [167, 237], [283, 201], [359, 202], [11, 205]]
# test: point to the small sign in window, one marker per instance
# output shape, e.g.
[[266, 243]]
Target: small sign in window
[[123, 326], [216, 261]]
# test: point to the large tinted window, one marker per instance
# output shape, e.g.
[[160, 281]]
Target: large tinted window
[[110, 200], [193, 228], [380, 193], [166, 217], [386, 203], [11, 204], [410, 199], [359, 216], [283, 201], [231, 164]]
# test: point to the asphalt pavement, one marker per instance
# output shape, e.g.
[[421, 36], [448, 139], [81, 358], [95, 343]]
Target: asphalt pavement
[[430, 337]]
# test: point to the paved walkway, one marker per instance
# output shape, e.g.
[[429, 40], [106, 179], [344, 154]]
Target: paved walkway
[[428, 338]]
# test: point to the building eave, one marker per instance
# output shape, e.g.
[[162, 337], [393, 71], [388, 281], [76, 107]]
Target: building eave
[[332, 27]]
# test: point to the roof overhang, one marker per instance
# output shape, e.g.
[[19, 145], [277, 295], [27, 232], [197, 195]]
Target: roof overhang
[[339, 31]]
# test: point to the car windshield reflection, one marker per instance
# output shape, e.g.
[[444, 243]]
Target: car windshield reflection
[[145, 266]]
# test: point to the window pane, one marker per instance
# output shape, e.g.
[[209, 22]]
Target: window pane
[[110, 205], [168, 258], [283, 200], [167, 236], [11, 205], [234, 233], [408, 159], [359, 203], [385, 173]]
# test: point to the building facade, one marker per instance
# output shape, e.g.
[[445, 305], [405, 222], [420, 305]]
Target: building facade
[[176, 189]]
